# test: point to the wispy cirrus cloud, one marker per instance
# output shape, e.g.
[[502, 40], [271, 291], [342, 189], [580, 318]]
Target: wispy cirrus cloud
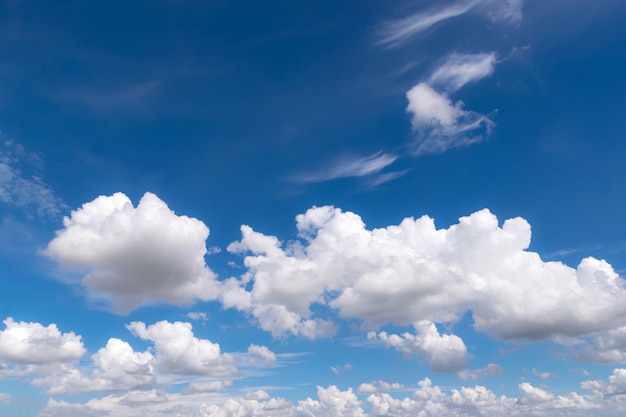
[[394, 33], [352, 166], [458, 70], [20, 185]]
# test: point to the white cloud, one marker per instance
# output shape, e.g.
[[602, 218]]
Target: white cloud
[[410, 272], [209, 386], [333, 403], [136, 256], [608, 347], [22, 190], [443, 353], [439, 124], [34, 344], [397, 32], [378, 386], [197, 315], [179, 352], [351, 166], [339, 369], [533, 395], [263, 352], [4, 398], [427, 400], [117, 367], [490, 369], [460, 69]]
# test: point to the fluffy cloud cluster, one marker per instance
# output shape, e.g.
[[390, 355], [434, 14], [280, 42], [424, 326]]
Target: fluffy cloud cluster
[[135, 256], [179, 352], [411, 272], [28, 349], [34, 344], [443, 353], [426, 400]]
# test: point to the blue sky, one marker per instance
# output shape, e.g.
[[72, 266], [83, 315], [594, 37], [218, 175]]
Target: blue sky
[[312, 208]]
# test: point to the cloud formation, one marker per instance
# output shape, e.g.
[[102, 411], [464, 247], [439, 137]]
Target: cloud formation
[[179, 352], [411, 272], [351, 166], [21, 190], [426, 400], [437, 122], [442, 353], [395, 33], [135, 256], [34, 344], [460, 69]]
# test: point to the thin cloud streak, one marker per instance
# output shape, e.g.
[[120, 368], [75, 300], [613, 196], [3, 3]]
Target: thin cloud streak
[[395, 33], [349, 167]]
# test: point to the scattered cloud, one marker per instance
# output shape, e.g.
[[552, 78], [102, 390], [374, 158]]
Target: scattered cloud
[[262, 352], [379, 386], [339, 369], [197, 315], [21, 185], [351, 166], [4, 398], [442, 353], [439, 124], [135, 256], [473, 374], [460, 69], [395, 33]]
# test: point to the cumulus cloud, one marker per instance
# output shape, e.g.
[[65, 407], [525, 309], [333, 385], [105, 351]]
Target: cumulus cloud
[[262, 352], [397, 32], [427, 400], [490, 369], [443, 353], [378, 386], [439, 124], [179, 352], [136, 256], [21, 186], [117, 366], [34, 344], [407, 273]]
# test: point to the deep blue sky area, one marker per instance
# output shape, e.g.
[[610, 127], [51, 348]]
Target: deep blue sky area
[[300, 134]]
